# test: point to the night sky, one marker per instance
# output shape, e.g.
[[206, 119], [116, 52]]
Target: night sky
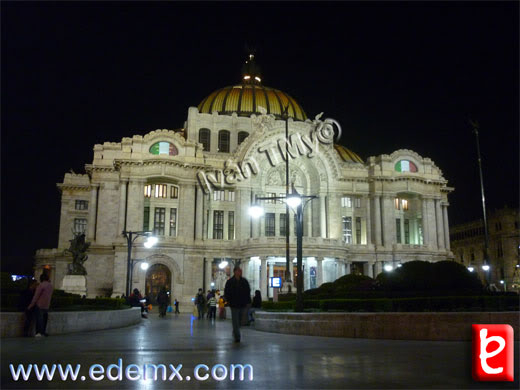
[[395, 75]]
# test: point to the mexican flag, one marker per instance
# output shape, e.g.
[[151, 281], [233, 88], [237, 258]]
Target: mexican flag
[[405, 166], [163, 148]]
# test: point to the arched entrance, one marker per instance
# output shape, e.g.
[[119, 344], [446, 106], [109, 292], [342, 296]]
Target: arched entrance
[[157, 277]]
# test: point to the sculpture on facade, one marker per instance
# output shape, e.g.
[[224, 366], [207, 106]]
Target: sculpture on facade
[[78, 248]]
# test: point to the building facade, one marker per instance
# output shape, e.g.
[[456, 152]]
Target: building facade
[[468, 242], [193, 187]]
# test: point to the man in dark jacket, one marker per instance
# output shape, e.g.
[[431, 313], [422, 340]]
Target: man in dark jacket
[[238, 293]]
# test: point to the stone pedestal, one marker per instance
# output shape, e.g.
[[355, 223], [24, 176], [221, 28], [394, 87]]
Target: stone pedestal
[[75, 284]]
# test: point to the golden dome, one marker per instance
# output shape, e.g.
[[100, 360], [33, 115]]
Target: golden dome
[[244, 99], [347, 154]]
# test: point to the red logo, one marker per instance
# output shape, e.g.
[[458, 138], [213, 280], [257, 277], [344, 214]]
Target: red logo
[[493, 353]]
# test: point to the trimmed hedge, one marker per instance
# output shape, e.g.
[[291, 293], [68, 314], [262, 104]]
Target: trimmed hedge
[[417, 304], [62, 301]]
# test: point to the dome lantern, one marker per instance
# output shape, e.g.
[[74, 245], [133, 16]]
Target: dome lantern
[[251, 71]]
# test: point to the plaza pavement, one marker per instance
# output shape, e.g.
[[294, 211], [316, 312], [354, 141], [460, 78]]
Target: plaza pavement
[[279, 361]]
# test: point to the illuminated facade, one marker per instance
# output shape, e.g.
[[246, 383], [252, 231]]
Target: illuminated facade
[[386, 210]]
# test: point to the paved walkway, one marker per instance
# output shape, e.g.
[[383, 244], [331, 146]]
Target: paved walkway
[[278, 361]]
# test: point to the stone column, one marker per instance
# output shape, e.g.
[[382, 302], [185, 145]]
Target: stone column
[[388, 221], [377, 220], [263, 277], [122, 204], [323, 217], [209, 261], [319, 271], [425, 233], [262, 226], [369, 222], [446, 226], [368, 268], [199, 214], [210, 218], [347, 266], [271, 274], [308, 216], [244, 264], [379, 267], [440, 223], [92, 212], [432, 227]]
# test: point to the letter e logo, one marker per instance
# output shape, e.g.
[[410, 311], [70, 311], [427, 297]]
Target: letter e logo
[[493, 353]]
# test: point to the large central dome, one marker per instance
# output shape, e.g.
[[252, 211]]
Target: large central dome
[[246, 98]]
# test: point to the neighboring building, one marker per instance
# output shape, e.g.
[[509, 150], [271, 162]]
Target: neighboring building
[[390, 209], [467, 241]]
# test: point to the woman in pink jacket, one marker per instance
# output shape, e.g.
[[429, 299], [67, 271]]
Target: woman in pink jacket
[[41, 302]]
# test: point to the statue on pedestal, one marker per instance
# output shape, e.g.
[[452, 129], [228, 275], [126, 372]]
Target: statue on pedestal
[[78, 248]]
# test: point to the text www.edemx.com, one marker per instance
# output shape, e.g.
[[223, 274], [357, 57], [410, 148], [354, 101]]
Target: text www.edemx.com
[[131, 372]]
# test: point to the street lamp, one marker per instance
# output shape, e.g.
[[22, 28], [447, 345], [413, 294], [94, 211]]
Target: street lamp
[[388, 267], [298, 202], [130, 238], [144, 267], [471, 269]]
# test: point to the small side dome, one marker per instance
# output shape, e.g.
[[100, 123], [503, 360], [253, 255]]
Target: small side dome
[[347, 154], [164, 147]]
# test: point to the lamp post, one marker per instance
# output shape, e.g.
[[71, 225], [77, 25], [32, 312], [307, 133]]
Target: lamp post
[[297, 202], [485, 266], [288, 262], [130, 238]]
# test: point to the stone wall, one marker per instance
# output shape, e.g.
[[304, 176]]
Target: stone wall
[[393, 326], [73, 321]]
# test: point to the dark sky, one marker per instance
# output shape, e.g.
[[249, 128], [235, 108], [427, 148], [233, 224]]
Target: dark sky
[[395, 75]]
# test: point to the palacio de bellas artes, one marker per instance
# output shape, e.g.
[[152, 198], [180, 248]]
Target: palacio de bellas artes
[[192, 187]]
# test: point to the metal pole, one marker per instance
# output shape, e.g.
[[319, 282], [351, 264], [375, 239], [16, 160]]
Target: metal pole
[[288, 261], [486, 235], [128, 236], [299, 258]]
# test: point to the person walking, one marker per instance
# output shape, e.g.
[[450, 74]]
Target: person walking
[[199, 301], [176, 303], [163, 300], [238, 293], [257, 304], [212, 307], [41, 302]]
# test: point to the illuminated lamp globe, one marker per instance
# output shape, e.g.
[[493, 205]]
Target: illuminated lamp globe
[[294, 201], [388, 268], [256, 211], [144, 266]]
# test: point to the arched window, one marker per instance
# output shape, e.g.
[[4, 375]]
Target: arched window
[[205, 139], [242, 135], [223, 141]]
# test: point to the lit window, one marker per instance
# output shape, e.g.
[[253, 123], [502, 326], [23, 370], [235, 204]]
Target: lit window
[[218, 224], [205, 139], [163, 147], [161, 190], [269, 224], [81, 205], [405, 204], [346, 201], [231, 196], [357, 202], [148, 191], [223, 141], [405, 166], [397, 204], [281, 200], [271, 195], [80, 225], [283, 222], [218, 195], [174, 192], [347, 230], [159, 220]]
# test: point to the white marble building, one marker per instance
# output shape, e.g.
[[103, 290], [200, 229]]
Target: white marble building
[[389, 209]]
